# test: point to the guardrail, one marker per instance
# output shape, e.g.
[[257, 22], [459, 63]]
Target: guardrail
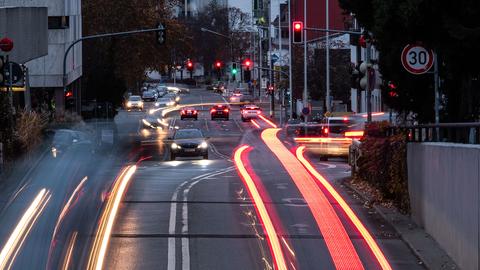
[[467, 133]]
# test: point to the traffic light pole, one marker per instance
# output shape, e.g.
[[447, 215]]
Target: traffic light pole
[[290, 82], [116, 34], [305, 60]]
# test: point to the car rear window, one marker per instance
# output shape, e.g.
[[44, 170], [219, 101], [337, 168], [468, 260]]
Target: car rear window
[[339, 126]]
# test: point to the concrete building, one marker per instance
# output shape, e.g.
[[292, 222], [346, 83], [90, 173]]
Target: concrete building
[[46, 73], [190, 8]]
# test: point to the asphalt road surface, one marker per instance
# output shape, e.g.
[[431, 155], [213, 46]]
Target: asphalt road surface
[[252, 205]]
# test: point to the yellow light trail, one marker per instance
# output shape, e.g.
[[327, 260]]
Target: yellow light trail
[[107, 220], [346, 208], [21, 231]]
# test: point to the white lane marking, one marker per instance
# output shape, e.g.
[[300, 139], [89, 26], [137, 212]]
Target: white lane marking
[[186, 240], [329, 166], [173, 217], [206, 125]]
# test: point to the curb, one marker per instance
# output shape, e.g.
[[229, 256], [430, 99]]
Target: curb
[[418, 241]]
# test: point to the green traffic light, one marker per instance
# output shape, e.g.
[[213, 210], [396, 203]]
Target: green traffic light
[[234, 71]]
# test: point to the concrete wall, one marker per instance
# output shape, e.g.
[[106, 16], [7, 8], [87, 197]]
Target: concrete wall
[[47, 71], [444, 190], [27, 27]]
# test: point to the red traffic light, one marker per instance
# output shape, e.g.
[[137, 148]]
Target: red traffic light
[[69, 94], [247, 63], [218, 64], [297, 32], [189, 65]]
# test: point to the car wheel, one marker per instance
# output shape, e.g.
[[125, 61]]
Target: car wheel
[[227, 119], [244, 120], [213, 118], [323, 158], [181, 118], [172, 156], [196, 118]]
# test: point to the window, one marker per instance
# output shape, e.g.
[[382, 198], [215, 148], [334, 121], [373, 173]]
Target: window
[[58, 22]]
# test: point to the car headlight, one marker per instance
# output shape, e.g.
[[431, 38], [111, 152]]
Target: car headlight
[[140, 103], [175, 146], [129, 104], [157, 104], [171, 103], [203, 145], [177, 99]]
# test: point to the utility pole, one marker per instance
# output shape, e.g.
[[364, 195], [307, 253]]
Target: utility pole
[[290, 58], [280, 59], [270, 77], [260, 65], [327, 58], [305, 59]]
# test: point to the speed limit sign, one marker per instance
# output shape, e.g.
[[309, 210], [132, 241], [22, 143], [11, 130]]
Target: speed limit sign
[[417, 59]]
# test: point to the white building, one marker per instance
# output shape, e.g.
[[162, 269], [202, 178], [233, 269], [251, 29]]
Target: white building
[[46, 73], [189, 8]]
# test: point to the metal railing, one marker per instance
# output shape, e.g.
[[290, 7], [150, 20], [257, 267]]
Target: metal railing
[[467, 133]]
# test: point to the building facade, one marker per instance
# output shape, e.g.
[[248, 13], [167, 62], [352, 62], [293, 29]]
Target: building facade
[[46, 73]]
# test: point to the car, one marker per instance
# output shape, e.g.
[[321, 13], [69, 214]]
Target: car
[[327, 139], [165, 102], [236, 98], [134, 103], [175, 97], [149, 95], [220, 111], [173, 89], [249, 112], [188, 143], [189, 112], [66, 138]]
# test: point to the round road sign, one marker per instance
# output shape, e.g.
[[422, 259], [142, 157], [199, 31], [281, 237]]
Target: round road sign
[[417, 59], [306, 111], [6, 44]]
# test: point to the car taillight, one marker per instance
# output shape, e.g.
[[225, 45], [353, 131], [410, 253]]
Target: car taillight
[[195, 111], [354, 134], [226, 110], [213, 110], [259, 112], [183, 111], [325, 130]]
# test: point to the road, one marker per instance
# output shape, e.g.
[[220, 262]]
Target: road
[[252, 205]]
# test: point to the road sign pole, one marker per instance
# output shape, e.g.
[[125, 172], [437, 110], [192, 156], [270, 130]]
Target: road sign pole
[[437, 94], [327, 59], [305, 59], [10, 84]]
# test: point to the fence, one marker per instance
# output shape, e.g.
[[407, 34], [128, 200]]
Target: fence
[[467, 133]]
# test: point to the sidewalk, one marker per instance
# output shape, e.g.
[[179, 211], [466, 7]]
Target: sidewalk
[[420, 242]]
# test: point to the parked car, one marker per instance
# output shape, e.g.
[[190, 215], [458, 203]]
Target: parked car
[[188, 143]]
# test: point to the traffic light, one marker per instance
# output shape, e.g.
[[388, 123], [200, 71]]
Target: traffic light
[[392, 90], [297, 32], [189, 65], [161, 34], [2, 70], [218, 64], [69, 100], [234, 68], [247, 63]]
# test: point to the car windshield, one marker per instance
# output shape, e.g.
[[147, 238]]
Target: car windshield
[[188, 134], [134, 98], [62, 137]]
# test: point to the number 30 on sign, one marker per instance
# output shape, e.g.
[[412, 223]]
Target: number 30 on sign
[[417, 59]]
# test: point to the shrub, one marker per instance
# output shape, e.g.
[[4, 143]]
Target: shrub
[[383, 164], [29, 129]]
